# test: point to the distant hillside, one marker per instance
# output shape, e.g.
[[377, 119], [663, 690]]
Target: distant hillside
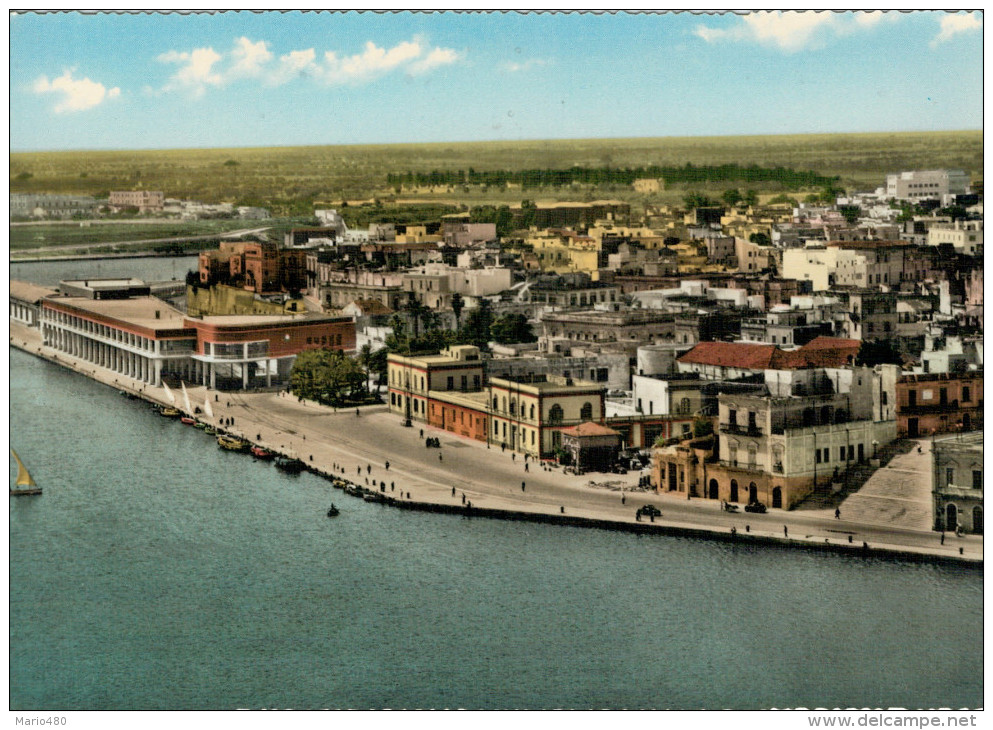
[[290, 179]]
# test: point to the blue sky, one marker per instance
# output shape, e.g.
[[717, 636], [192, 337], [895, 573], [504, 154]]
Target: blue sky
[[260, 79]]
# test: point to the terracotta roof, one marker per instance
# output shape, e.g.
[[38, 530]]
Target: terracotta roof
[[590, 429], [731, 355], [370, 307], [821, 352]]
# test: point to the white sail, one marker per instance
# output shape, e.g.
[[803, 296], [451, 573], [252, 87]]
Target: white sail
[[206, 406], [169, 395], [186, 399]]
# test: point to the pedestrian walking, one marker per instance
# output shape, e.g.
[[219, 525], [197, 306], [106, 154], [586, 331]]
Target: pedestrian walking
[[526, 467], [562, 510], [522, 486], [786, 532], [942, 537], [422, 433], [360, 470], [368, 468], [503, 447], [439, 457], [392, 487], [463, 497], [837, 513], [622, 498], [513, 457], [408, 495], [258, 437], [387, 466], [356, 412], [453, 491]]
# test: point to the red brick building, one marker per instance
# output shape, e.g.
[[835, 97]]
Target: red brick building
[[939, 403]]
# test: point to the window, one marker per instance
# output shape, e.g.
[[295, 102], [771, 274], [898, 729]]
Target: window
[[586, 412], [555, 414], [732, 417], [841, 453], [465, 382], [977, 479], [817, 456], [885, 398], [450, 382], [949, 475], [532, 411], [966, 394]]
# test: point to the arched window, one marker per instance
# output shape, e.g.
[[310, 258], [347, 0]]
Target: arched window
[[555, 414], [752, 453], [495, 403], [586, 412], [532, 411], [977, 520], [513, 407]]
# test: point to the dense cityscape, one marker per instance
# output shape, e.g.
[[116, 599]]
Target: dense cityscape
[[308, 403]]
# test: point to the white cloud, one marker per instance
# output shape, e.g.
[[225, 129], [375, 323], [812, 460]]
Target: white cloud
[[437, 57], [205, 68], [249, 58], [77, 94], [373, 61], [791, 31], [196, 70], [953, 24], [515, 66], [293, 65]]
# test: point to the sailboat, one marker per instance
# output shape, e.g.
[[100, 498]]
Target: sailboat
[[24, 484], [168, 411], [187, 406]]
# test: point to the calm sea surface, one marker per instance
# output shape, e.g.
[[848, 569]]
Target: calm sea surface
[[158, 572]]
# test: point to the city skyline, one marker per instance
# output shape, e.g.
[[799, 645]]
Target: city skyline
[[235, 79]]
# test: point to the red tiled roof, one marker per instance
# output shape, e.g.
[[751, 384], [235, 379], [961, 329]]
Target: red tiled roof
[[731, 355], [822, 352], [590, 429]]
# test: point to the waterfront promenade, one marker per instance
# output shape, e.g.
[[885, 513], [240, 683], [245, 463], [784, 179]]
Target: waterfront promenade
[[491, 480]]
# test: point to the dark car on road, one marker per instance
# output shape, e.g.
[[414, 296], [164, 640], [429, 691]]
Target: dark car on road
[[650, 510], [755, 507]]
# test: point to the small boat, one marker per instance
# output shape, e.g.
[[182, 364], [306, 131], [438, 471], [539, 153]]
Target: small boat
[[287, 464], [209, 430], [262, 453], [188, 421], [201, 425], [370, 496], [24, 485], [169, 412], [232, 443], [333, 512]]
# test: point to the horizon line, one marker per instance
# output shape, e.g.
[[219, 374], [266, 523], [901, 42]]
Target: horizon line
[[483, 141]]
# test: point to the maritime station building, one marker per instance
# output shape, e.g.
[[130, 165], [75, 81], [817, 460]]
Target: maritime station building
[[141, 337]]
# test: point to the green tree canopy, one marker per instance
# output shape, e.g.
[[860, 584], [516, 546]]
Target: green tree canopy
[[511, 329]]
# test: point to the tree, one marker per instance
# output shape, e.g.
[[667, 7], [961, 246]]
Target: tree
[[731, 197], [851, 213], [477, 325], [327, 376], [398, 340], [702, 426], [696, 200], [751, 198], [458, 304], [529, 213], [512, 328], [417, 312], [760, 238]]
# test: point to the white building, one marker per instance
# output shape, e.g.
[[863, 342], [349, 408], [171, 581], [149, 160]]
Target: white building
[[965, 236], [920, 184]]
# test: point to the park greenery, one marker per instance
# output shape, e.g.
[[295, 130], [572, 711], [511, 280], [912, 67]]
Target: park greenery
[[479, 327], [331, 377]]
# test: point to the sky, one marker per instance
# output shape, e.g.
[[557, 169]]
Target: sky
[[247, 79]]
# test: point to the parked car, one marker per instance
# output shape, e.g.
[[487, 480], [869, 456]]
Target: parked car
[[757, 507], [650, 510]]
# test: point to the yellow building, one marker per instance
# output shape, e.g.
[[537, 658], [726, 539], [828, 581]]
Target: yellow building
[[564, 251]]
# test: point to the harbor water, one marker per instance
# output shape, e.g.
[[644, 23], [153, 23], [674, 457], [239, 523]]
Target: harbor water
[[160, 572]]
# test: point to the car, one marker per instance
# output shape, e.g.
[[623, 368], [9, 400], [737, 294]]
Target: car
[[756, 507], [650, 510]]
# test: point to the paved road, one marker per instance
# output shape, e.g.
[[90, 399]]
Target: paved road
[[490, 478]]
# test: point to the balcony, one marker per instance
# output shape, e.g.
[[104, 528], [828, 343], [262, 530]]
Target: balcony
[[922, 409], [741, 430]]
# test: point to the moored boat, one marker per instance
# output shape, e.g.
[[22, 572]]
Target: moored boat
[[189, 421], [169, 412], [333, 512], [232, 443], [262, 453], [24, 485], [288, 464]]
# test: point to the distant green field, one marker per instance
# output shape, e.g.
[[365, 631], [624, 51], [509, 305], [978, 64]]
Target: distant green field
[[30, 237], [290, 179]]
